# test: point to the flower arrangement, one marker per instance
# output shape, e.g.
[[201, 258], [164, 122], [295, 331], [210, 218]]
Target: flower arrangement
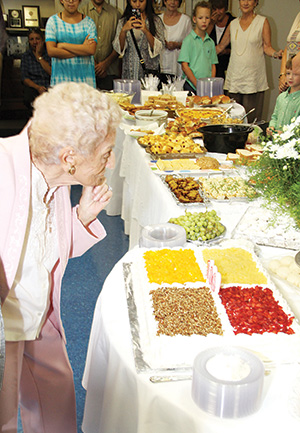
[[276, 174]]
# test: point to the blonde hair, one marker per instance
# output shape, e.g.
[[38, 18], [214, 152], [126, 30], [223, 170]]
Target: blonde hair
[[71, 114], [202, 4]]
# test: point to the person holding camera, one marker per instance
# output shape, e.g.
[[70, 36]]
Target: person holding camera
[[139, 39]]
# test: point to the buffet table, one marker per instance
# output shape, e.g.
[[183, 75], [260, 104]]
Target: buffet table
[[138, 195], [119, 399]]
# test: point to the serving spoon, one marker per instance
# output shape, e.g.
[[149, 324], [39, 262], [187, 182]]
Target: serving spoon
[[297, 258], [245, 115]]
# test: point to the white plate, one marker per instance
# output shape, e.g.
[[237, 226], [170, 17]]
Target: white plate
[[136, 131]]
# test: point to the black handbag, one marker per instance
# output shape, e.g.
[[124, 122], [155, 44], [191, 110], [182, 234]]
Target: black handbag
[[155, 72]]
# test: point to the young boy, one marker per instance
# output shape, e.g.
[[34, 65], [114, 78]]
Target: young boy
[[198, 55], [287, 104]]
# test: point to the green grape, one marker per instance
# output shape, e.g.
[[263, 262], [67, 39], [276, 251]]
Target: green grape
[[200, 225]]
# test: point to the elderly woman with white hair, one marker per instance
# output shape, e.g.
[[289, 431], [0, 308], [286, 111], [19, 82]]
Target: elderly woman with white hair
[[69, 141]]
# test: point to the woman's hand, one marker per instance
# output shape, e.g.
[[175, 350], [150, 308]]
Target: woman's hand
[[41, 89], [142, 25], [214, 16], [277, 54], [171, 45], [93, 200], [88, 40], [129, 24], [283, 85], [39, 49]]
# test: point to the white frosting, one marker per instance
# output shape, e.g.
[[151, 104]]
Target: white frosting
[[180, 351]]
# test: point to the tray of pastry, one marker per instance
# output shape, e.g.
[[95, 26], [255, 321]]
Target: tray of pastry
[[185, 190], [170, 146]]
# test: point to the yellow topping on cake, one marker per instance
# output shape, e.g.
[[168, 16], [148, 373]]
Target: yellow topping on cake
[[235, 265], [172, 266]]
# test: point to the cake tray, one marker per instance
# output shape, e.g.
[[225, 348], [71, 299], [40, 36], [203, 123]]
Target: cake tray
[[140, 363]]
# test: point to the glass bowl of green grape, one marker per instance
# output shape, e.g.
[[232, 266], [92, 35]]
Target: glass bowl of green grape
[[201, 227]]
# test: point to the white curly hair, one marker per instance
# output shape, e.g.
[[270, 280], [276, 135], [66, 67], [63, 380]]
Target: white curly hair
[[71, 114]]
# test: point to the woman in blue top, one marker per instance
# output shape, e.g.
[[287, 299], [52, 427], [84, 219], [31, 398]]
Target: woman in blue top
[[71, 42]]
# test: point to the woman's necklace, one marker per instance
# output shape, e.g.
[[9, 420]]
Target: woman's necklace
[[236, 36]]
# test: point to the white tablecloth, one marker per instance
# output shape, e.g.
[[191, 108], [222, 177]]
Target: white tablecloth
[[119, 400]]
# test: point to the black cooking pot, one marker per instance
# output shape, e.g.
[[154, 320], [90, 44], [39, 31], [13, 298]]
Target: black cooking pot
[[225, 138]]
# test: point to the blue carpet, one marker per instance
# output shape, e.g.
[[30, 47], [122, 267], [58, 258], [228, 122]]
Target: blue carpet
[[81, 286]]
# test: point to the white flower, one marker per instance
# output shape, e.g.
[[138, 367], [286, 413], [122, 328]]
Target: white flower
[[285, 145], [286, 135], [287, 150]]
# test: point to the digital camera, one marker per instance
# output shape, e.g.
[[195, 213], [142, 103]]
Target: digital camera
[[136, 13]]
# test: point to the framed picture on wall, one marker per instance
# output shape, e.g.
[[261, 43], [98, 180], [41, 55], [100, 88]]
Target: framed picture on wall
[[31, 16], [14, 18]]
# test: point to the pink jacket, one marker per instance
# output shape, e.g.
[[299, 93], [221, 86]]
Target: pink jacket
[[73, 238]]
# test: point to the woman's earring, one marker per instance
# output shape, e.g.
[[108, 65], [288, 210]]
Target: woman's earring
[[72, 170]]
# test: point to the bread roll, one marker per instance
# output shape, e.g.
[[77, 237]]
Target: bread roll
[[206, 100], [216, 99], [225, 99], [198, 100]]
